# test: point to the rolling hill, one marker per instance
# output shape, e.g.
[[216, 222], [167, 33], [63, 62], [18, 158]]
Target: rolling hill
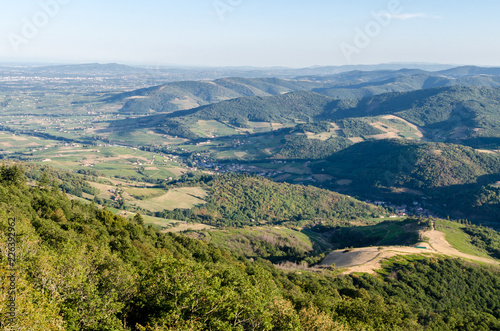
[[449, 113], [81, 267], [416, 165], [301, 106], [191, 94], [238, 200], [356, 84], [290, 109], [454, 114], [471, 71], [457, 179], [342, 85], [404, 83]]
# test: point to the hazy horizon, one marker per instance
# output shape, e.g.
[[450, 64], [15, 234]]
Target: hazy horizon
[[236, 33], [242, 67]]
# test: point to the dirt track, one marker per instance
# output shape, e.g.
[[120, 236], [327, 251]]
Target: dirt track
[[368, 259]]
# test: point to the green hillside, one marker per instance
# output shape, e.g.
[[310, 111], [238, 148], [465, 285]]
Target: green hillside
[[301, 147], [357, 85], [452, 113], [237, 200], [191, 94], [393, 84], [351, 85], [79, 267], [418, 165], [455, 114], [290, 107], [241, 113], [471, 71], [458, 177]]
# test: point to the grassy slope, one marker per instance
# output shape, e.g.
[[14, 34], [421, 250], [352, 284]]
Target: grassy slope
[[191, 94], [450, 112], [263, 241], [458, 239], [237, 200]]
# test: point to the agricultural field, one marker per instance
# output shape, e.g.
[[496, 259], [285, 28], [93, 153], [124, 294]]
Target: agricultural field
[[394, 127], [165, 225], [110, 161], [140, 137], [183, 198], [10, 142], [124, 177], [238, 148], [211, 129], [149, 199], [74, 101]]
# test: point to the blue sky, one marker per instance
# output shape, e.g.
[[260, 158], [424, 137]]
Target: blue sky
[[250, 32]]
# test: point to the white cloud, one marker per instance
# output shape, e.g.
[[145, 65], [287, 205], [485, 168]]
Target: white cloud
[[409, 16]]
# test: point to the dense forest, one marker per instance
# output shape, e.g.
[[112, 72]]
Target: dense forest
[[301, 147], [353, 127], [457, 176], [74, 184], [447, 113], [484, 238], [182, 95], [237, 200], [417, 165], [459, 114], [80, 267]]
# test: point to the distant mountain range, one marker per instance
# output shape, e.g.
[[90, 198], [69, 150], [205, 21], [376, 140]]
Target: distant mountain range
[[242, 71], [191, 94], [347, 85]]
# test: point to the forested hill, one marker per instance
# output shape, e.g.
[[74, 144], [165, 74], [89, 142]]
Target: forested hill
[[303, 106], [80, 267], [287, 108], [418, 165], [348, 85], [411, 81], [191, 94], [237, 200], [378, 75], [459, 177], [460, 114], [444, 113], [470, 71]]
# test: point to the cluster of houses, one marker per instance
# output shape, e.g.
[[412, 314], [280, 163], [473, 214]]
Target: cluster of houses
[[416, 209], [204, 143], [117, 193]]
